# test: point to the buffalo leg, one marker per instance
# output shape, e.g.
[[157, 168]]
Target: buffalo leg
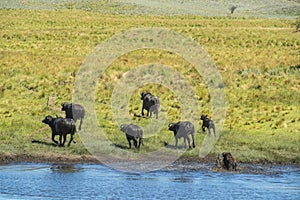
[[143, 111], [60, 140], [184, 139], [129, 143], [80, 123], [64, 139], [193, 138], [71, 139], [53, 136], [176, 142], [189, 142], [135, 143], [140, 142]]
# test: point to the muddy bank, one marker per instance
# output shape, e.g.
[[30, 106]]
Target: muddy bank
[[48, 158], [75, 159], [182, 164]]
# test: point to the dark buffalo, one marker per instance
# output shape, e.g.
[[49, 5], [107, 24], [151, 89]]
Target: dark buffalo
[[183, 129], [61, 126], [151, 103], [208, 123], [133, 132], [73, 111], [229, 161]]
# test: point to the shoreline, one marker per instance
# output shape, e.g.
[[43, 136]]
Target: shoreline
[[6, 159]]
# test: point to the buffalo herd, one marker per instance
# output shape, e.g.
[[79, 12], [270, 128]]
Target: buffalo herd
[[151, 103], [73, 112]]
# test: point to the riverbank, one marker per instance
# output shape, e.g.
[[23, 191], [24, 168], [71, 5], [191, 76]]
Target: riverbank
[[89, 159]]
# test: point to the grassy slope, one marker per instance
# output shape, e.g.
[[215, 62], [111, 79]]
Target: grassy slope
[[40, 52]]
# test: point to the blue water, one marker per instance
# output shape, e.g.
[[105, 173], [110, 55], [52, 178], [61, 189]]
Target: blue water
[[46, 181]]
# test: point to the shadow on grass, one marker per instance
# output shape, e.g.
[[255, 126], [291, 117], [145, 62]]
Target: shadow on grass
[[170, 146], [120, 146], [167, 145], [44, 143], [140, 116]]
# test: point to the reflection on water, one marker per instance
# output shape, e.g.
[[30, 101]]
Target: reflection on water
[[188, 181], [65, 168]]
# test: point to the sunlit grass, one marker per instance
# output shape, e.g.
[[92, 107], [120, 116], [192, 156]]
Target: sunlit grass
[[41, 51]]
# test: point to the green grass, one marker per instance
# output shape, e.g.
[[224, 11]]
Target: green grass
[[41, 51]]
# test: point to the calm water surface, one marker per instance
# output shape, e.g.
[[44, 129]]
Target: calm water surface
[[47, 181]]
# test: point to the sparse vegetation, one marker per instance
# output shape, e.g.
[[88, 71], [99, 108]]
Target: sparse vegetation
[[41, 51]]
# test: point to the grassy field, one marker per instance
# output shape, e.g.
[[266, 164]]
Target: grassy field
[[41, 51]]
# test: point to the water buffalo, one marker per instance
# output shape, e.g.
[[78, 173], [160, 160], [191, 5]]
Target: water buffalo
[[183, 129], [208, 123], [229, 161], [151, 103], [73, 111], [61, 126], [133, 132]]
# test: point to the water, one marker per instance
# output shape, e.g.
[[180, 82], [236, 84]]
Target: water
[[46, 181]]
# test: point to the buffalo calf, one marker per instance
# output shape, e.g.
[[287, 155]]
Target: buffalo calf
[[208, 123]]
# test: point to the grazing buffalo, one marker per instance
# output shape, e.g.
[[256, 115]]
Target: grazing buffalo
[[133, 132], [150, 103], [183, 129], [61, 126], [208, 123], [229, 161], [73, 111]]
